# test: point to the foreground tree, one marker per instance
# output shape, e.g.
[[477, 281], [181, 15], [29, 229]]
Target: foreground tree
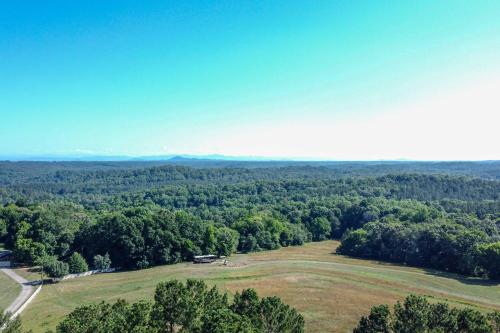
[[417, 315], [377, 321], [8, 325], [104, 318], [494, 318], [189, 307], [226, 321], [279, 317]]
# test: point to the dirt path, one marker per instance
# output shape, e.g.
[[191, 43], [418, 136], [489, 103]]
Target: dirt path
[[26, 291]]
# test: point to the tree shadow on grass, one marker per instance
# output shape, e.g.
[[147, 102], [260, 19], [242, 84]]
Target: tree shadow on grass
[[475, 281], [469, 280]]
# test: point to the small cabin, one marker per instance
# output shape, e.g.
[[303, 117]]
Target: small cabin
[[205, 259]]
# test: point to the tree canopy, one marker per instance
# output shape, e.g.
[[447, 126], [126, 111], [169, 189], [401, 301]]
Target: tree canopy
[[186, 307], [145, 216], [417, 315]]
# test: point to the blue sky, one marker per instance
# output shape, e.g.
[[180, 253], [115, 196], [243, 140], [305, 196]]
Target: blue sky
[[302, 79]]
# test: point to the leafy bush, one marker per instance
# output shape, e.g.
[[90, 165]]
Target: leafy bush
[[77, 264], [55, 268], [102, 262]]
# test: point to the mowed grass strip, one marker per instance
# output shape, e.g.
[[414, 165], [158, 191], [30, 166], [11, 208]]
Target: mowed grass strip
[[332, 292], [9, 290], [29, 273]]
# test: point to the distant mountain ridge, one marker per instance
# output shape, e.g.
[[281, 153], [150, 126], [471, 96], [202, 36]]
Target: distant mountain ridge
[[120, 158], [191, 157]]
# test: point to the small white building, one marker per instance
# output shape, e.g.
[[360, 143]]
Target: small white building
[[205, 259]]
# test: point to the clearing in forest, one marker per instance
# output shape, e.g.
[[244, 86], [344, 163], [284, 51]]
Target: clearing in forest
[[331, 291]]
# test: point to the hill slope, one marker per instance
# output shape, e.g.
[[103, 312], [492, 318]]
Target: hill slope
[[331, 291]]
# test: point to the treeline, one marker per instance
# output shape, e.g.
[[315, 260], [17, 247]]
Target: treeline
[[417, 314], [133, 238], [406, 231], [440, 245], [189, 307]]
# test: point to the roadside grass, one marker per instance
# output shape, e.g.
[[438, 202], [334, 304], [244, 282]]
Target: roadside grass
[[9, 290], [331, 291], [29, 273]]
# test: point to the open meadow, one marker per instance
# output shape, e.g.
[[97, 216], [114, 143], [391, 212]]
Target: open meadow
[[331, 291]]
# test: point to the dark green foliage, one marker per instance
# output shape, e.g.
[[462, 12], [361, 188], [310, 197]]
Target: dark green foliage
[[247, 304], [39, 180], [113, 318], [184, 305], [262, 232], [377, 322], [268, 314], [489, 258], [417, 315], [226, 241], [189, 307], [494, 318], [441, 244], [320, 229], [411, 316], [166, 214], [102, 262], [3, 229], [226, 321], [279, 317], [8, 325], [77, 264], [54, 268]]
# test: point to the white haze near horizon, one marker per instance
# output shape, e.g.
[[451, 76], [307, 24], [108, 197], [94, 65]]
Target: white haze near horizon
[[462, 123]]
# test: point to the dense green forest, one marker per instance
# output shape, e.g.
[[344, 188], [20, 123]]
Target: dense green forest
[[140, 214]]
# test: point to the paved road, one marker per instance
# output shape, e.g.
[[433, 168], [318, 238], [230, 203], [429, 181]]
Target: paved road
[[26, 291]]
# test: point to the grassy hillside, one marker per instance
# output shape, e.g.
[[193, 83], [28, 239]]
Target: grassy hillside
[[331, 291], [9, 290]]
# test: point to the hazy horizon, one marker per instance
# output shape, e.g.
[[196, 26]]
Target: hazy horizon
[[214, 157], [284, 80]]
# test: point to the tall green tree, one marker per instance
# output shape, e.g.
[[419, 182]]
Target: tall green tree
[[54, 268], [489, 258], [417, 315], [102, 262], [377, 322], [77, 263]]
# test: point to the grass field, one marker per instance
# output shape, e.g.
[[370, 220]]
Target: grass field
[[29, 273], [331, 291], [9, 289]]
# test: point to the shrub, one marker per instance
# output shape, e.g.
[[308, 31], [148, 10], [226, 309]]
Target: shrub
[[55, 268], [102, 262], [77, 264]]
